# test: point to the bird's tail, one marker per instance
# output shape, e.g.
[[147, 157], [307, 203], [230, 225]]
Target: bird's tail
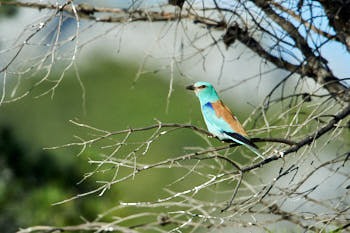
[[244, 141], [256, 151]]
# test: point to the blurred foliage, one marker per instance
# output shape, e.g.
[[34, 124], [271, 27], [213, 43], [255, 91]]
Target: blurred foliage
[[8, 11], [33, 179]]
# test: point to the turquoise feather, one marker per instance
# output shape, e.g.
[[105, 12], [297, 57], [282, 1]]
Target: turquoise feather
[[217, 125]]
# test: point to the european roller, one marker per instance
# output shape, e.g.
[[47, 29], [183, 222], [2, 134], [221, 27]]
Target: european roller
[[218, 117]]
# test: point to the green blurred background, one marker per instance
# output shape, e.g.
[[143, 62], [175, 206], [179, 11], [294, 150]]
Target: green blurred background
[[32, 179]]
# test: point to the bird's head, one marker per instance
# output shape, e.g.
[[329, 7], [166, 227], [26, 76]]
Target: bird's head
[[204, 91]]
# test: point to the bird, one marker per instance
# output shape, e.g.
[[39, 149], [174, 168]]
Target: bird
[[220, 121]]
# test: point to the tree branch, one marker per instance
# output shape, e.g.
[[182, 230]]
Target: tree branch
[[313, 66], [306, 141]]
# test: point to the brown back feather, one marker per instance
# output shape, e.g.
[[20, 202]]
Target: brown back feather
[[222, 111]]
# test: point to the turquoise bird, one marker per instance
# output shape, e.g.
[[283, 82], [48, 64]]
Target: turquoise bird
[[218, 117]]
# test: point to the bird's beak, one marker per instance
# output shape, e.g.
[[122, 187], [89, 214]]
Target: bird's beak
[[190, 87]]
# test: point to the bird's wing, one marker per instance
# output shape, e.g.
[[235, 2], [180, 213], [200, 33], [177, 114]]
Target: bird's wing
[[215, 124], [241, 139], [221, 121], [222, 111]]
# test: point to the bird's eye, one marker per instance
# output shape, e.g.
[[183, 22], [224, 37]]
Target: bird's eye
[[203, 86]]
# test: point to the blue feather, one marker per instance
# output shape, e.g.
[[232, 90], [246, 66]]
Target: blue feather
[[217, 125], [208, 105]]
